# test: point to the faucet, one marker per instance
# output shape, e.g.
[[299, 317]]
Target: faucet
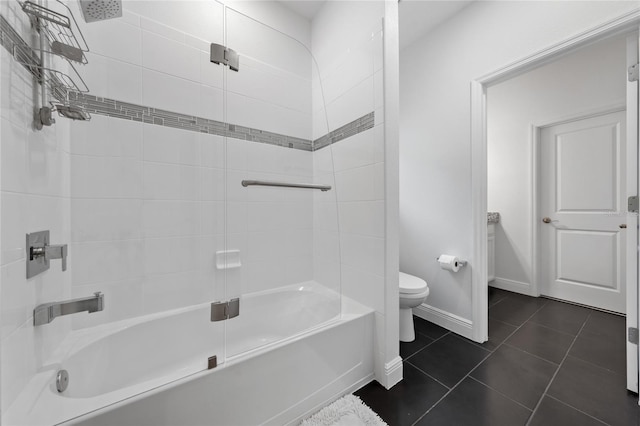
[[47, 312], [51, 252], [40, 253]]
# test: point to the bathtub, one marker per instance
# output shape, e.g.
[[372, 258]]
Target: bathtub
[[287, 353]]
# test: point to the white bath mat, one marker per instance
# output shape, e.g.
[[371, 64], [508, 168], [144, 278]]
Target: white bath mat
[[347, 411]]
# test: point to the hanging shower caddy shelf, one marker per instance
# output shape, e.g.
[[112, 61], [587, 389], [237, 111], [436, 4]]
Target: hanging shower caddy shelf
[[57, 82], [58, 29], [59, 36]]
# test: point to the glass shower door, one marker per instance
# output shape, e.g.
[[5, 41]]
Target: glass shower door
[[147, 211], [277, 230]]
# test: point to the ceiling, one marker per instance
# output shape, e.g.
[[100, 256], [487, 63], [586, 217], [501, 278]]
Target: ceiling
[[417, 17]]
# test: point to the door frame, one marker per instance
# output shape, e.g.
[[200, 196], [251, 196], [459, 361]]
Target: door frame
[[536, 190], [480, 312]]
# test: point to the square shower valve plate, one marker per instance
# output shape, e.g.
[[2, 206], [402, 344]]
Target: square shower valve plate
[[36, 264]]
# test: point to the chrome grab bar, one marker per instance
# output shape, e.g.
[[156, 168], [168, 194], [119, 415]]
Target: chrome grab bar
[[287, 185]]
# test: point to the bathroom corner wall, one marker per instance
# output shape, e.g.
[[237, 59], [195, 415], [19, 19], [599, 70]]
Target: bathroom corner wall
[[34, 196], [347, 43]]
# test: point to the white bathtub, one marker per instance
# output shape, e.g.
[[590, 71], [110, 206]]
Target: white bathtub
[[129, 372]]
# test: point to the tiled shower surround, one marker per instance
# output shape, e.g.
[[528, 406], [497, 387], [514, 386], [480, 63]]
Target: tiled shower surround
[[92, 104], [144, 205]]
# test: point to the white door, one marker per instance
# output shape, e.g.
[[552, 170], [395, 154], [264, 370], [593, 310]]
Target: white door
[[583, 208]]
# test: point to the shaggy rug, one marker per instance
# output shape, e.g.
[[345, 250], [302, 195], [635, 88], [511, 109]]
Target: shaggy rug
[[347, 411]]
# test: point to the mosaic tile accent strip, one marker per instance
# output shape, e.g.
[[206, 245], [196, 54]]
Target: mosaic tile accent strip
[[358, 125], [114, 108], [127, 111]]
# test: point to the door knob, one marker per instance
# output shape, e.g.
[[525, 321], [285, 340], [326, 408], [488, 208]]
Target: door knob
[[547, 220], [623, 226]]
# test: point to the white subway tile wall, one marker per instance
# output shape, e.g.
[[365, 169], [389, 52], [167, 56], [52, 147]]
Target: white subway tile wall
[[172, 183], [146, 202], [34, 195]]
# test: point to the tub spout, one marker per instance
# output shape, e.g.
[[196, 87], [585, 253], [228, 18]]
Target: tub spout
[[47, 312]]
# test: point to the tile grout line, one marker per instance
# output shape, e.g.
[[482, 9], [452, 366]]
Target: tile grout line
[[553, 329], [428, 375], [480, 363], [529, 353], [452, 388], [425, 346], [555, 374], [599, 366], [578, 410], [501, 393], [518, 327], [498, 301], [420, 350]]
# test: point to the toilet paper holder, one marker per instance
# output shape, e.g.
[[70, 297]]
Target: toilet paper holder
[[460, 261]]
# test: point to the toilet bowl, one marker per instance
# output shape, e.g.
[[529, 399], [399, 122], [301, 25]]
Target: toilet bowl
[[413, 292]]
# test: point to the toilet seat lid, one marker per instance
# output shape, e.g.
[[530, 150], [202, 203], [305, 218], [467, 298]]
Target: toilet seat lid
[[411, 285]]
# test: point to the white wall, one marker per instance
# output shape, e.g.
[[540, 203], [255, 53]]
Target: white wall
[[435, 151], [34, 196], [585, 81]]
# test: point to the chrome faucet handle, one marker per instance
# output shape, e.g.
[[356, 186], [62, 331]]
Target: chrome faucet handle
[[49, 252], [59, 251], [40, 252]]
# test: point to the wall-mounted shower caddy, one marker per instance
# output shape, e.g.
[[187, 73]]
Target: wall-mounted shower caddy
[[60, 43]]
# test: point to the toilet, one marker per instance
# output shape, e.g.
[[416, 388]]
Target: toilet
[[413, 292]]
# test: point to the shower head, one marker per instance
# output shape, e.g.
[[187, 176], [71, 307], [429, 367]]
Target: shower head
[[99, 10], [74, 113]]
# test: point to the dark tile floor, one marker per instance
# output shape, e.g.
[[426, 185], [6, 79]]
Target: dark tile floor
[[546, 363]]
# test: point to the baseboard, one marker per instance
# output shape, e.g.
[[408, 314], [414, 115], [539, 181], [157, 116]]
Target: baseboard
[[392, 373], [512, 285], [451, 322]]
